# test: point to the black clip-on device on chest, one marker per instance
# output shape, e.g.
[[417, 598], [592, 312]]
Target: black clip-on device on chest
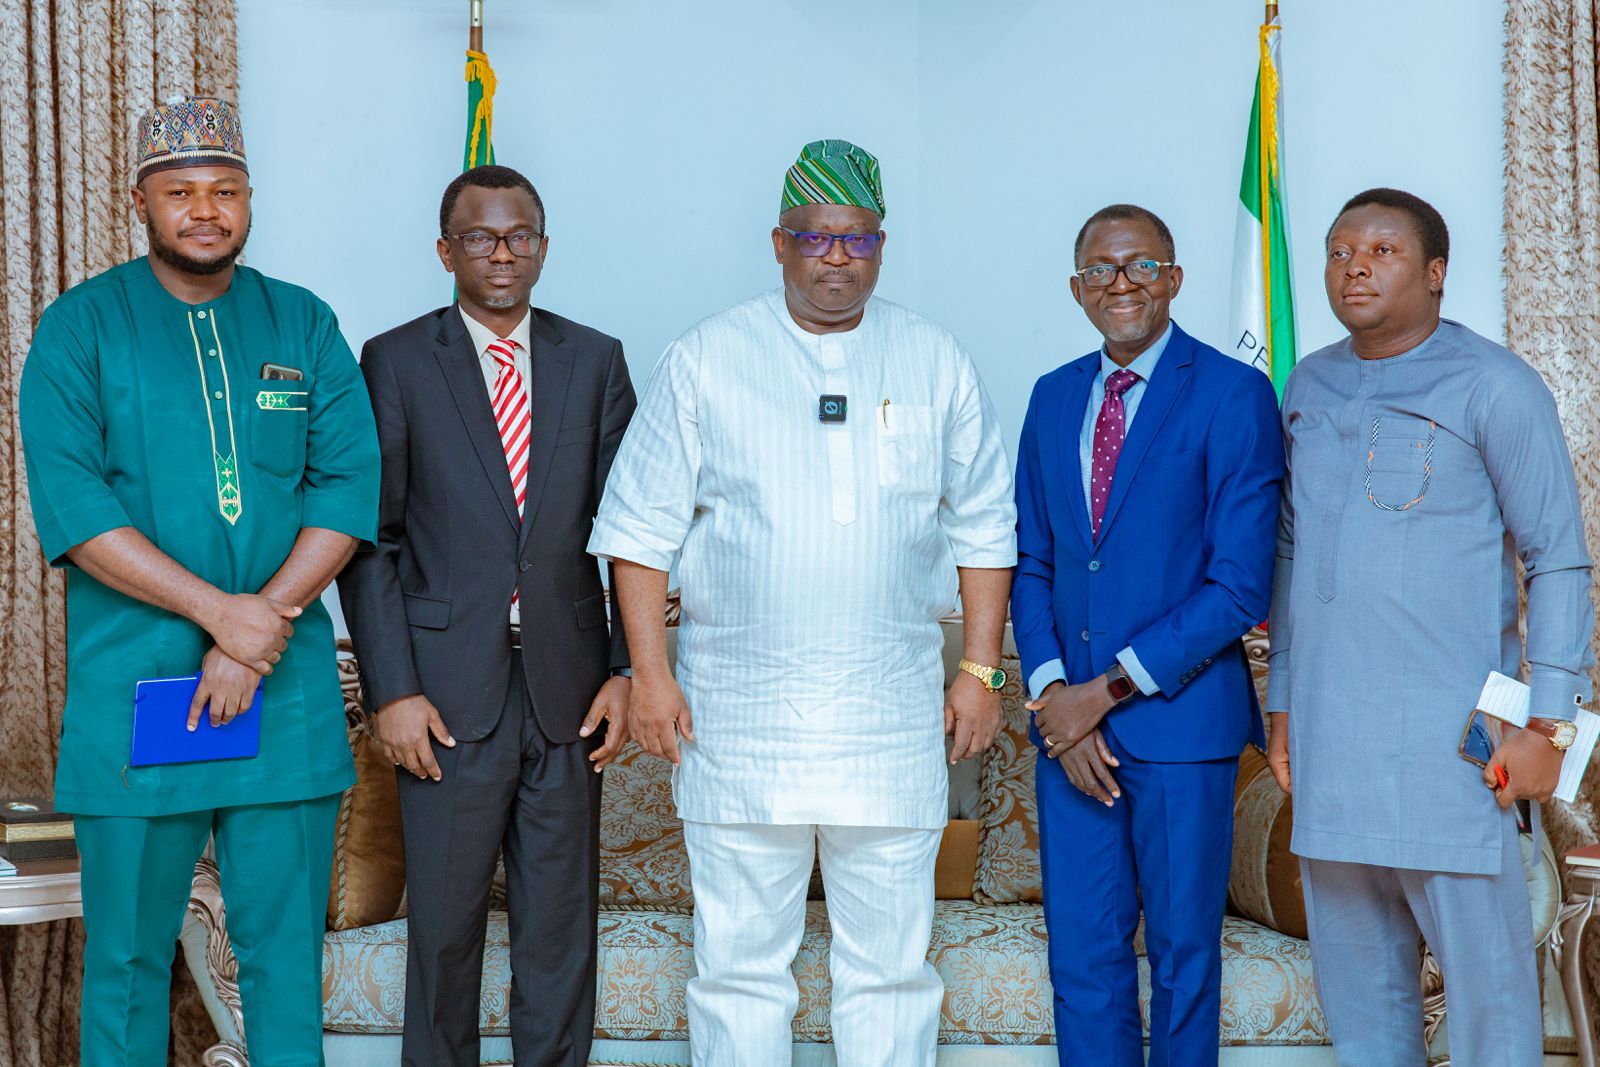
[[831, 408]]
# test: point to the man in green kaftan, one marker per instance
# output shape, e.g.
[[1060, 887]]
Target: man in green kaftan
[[202, 460]]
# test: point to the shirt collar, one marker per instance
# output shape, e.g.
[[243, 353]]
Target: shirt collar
[[1144, 364], [482, 336]]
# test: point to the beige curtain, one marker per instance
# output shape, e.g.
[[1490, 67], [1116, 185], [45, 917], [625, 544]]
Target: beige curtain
[[74, 75], [1552, 265]]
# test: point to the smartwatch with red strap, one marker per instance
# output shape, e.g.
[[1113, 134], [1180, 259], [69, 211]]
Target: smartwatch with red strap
[[1118, 685]]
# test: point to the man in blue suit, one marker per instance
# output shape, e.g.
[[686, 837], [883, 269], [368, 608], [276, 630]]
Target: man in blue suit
[[1147, 500]]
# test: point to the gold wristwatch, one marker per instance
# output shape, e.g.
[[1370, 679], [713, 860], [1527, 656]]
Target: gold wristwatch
[[1559, 732], [993, 678]]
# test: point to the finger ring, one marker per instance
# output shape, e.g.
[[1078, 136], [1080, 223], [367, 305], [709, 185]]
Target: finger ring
[[1049, 743]]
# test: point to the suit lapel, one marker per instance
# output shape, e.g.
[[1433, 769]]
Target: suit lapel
[[551, 363], [457, 358], [1061, 441], [1166, 385]]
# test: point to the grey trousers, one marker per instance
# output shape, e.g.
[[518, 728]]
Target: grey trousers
[[1364, 923]]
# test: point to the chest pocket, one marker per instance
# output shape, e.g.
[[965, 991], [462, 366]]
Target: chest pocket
[[908, 448], [1399, 461], [278, 427]]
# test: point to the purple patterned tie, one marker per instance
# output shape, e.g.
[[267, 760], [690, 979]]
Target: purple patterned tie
[[1110, 427]]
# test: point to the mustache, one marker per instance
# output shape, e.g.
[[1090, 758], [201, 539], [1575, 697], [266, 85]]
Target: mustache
[[191, 265]]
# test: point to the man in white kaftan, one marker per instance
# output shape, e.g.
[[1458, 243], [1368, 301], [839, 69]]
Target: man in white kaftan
[[821, 540]]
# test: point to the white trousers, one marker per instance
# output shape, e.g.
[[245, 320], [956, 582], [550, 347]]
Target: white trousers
[[749, 884]]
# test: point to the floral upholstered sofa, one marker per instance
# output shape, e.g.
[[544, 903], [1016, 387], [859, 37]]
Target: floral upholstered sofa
[[988, 938]]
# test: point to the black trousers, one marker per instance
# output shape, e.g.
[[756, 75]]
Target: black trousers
[[541, 802]]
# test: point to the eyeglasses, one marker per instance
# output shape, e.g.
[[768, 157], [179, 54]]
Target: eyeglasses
[[816, 245], [1104, 275], [480, 245]]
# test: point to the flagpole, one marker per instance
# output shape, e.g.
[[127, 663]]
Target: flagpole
[[480, 94], [1263, 154]]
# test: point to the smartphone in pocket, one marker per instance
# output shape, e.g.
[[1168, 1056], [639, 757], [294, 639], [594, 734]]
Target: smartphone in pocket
[[277, 372]]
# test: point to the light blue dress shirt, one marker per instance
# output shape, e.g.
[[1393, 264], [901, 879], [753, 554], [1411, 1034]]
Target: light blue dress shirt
[[1144, 365]]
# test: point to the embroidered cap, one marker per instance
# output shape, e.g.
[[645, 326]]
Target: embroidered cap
[[189, 131], [834, 172]]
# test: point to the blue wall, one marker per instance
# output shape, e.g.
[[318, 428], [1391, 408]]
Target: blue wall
[[658, 132]]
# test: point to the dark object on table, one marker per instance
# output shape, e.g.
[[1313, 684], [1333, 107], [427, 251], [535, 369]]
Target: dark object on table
[[31, 829]]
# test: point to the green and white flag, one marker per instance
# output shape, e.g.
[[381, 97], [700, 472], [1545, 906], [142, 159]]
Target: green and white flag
[[1263, 296]]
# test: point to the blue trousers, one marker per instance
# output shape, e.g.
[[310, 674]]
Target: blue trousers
[[1167, 841]]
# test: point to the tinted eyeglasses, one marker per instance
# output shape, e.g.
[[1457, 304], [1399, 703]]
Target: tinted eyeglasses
[[480, 245], [1139, 272], [816, 245]]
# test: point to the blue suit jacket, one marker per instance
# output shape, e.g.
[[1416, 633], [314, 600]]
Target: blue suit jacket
[[1183, 565]]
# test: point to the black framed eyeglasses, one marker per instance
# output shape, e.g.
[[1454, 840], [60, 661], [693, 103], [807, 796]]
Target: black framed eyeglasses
[[480, 245], [1104, 275], [815, 244]]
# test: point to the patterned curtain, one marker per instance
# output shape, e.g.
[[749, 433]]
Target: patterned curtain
[[1552, 258], [74, 77]]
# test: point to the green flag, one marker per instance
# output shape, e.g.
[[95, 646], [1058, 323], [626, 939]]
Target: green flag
[[480, 111], [1263, 295]]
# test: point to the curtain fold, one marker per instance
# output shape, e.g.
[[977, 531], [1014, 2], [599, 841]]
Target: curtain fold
[[74, 77], [1552, 263]]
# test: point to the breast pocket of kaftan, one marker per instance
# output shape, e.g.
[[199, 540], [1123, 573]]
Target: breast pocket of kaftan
[[1399, 461], [278, 427], [908, 448]]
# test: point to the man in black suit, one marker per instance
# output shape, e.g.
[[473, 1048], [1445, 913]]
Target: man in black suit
[[498, 423]]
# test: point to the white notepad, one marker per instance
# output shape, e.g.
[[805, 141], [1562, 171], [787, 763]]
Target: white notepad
[[1507, 700]]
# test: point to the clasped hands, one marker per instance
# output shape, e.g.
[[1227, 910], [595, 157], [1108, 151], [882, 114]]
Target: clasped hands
[[1532, 764], [1068, 719], [250, 633]]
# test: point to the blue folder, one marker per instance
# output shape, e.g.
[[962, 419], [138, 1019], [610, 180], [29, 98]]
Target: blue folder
[[161, 726]]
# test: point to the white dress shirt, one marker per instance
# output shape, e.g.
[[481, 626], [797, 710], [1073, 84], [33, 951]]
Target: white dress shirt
[[816, 558], [482, 338], [1144, 365]]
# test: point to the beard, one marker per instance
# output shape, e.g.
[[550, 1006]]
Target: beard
[[172, 257], [1128, 332]]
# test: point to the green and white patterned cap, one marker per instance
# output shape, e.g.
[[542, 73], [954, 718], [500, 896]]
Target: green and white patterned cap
[[834, 172]]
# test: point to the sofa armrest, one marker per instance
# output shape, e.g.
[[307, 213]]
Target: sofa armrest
[[209, 955]]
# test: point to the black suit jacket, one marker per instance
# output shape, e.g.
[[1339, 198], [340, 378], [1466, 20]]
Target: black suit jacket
[[428, 604]]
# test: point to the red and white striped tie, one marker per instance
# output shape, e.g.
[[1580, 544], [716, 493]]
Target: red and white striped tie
[[513, 415]]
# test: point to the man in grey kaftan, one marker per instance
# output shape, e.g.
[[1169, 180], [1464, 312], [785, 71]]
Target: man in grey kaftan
[[1425, 461]]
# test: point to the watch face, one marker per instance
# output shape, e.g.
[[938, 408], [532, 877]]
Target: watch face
[[1566, 733], [997, 679]]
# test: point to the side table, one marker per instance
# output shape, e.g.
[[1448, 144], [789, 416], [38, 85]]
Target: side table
[[1583, 892], [40, 891]]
